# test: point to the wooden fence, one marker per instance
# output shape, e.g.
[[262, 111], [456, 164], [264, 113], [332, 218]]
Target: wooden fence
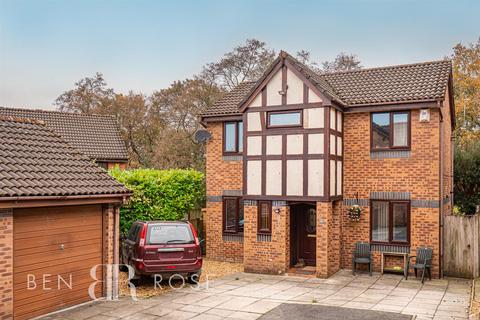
[[461, 239]]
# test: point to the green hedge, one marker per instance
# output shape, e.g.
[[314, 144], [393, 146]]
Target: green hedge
[[467, 178], [160, 194]]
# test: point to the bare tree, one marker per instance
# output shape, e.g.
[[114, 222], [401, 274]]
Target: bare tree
[[343, 62], [303, 56], [90, 95], [244, 63]]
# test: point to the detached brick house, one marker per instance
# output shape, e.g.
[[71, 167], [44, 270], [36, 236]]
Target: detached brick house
[[97, 136], [291, 152]]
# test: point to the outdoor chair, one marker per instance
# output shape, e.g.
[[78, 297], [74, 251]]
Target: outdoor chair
[[423, 261], [362, 255]]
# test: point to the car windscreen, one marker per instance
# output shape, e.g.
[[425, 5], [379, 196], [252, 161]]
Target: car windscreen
[[169, 234]]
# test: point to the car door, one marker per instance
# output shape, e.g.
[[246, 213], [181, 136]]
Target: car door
[[128, 245]]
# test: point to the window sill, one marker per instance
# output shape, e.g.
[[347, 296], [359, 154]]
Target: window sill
[[389, 154], [264, 237], [232, 237], [232, 157]]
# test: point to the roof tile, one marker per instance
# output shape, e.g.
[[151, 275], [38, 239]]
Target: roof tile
[[97, 136], [36, 161], [403, 83]]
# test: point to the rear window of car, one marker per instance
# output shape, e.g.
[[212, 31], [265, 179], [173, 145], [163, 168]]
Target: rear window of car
[[169, 234]]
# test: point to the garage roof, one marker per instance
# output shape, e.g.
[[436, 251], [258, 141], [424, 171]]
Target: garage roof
[[36, 161], [97, 136]]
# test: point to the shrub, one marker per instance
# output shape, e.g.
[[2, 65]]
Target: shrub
[[467, 177], [160, 194]]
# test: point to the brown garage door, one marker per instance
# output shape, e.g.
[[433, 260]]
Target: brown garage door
[[54, 250]]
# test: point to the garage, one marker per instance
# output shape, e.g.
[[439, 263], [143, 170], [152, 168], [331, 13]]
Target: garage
[[59, 220], [63, 243]]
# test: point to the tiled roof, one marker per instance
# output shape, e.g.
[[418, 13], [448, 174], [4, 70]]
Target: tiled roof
[[36, 161], [412, 82], [403, 83], [97, 136], [228, 104]]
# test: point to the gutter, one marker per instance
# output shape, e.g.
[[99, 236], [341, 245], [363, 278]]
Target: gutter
[[124, 196], [441, 190]]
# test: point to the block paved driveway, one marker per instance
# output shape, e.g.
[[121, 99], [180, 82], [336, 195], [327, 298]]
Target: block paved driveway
[[249, 296]]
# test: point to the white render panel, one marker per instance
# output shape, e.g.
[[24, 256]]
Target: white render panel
[[313, 97], [315, 178], [273, 87], [316, 143], [257, 102], [314, 118], [254, 146], [254, 177], [332, 144], [339, 146], [333, 121], [294, 144], [294, 177], [339, 122], [339, 178], [253, 119], [295, 88], [274, 145], [332, 177], [274, 177]]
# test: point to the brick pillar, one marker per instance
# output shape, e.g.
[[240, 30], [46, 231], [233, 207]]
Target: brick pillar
[[108, 243], [328, 238], [6, 263]]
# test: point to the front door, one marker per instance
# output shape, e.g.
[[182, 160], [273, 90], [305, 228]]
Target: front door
[[304, 217]]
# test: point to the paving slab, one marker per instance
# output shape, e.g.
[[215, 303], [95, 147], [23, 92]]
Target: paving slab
[[249, 296]]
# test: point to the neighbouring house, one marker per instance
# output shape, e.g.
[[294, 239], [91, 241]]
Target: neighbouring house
[[59, 217], [290, 153], [97, 136]]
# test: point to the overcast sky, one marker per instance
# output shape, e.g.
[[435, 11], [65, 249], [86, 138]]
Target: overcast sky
[[46, 46]]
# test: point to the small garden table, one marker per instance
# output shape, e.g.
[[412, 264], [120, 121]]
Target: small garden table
[[395, 254]]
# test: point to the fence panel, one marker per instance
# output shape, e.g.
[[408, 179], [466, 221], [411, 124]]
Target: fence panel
[[461, 243]]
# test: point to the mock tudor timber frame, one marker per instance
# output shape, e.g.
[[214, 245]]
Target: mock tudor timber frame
[[261, 88]]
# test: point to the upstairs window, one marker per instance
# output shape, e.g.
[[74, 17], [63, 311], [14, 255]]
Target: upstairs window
[[233, 137], [390, 130], [232, 215], [284, 119]]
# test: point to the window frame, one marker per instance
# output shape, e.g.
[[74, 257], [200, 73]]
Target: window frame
[[237, 213], [390, 222], [300, 111], [259, 206], [224, 134], [391, 132]]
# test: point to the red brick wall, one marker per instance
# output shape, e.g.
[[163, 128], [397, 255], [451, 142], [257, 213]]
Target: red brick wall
[[271, 256], [121, 165], [328, 238], [418, 174], [447, 156], [6, 264], [221, 175]]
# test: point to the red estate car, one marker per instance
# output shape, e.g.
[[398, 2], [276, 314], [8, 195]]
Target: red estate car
[[162, 247]]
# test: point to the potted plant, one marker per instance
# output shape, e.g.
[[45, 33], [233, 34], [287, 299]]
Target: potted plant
[[354, 211]]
